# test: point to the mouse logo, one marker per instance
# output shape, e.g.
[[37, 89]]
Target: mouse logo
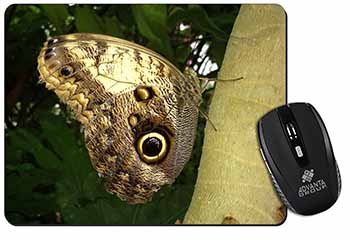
[[310, 187], [307, 176]]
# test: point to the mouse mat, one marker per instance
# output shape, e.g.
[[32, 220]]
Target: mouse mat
[[141, 114]]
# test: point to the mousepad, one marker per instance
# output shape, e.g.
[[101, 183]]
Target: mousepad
[[101, 131]]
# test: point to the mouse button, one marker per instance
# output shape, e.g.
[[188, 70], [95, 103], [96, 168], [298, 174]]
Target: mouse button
[[285, 115], [293, 135], [312, 136], [333, 168], [279, 151], [291, 131]]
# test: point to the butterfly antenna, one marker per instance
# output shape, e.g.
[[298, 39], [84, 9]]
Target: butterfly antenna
[[219, 80], [207, 80], [207, 118], [204, 88]]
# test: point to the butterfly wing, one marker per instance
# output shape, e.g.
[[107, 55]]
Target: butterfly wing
[[139, 111]]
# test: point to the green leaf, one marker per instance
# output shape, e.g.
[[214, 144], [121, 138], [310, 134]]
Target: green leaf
[[31, 192], [56, 13], [76, 165], [182, 53], [87, 21], [112, 27], [123, 13], [202, 22], [150, 18], [25, 140], [217, 51], [100, 212], [176, 15], [151, 22]]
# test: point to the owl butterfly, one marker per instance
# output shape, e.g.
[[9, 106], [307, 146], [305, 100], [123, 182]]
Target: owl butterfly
[[138, 110]]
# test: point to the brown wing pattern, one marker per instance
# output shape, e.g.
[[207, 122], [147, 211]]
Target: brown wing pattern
[[139, 111]]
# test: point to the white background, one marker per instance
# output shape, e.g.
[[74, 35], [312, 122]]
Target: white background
[[318, 72]]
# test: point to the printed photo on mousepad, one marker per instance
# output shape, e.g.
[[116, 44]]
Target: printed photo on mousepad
[[141, 114]]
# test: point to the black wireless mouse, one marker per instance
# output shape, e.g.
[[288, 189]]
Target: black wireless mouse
[[298, 154]]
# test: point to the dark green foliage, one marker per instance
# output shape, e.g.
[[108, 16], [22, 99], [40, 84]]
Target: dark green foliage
[[49, 178]]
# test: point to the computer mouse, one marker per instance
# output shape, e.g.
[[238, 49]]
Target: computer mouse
[[298, 154]]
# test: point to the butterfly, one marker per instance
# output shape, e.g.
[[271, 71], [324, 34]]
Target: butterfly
[[138, 110]]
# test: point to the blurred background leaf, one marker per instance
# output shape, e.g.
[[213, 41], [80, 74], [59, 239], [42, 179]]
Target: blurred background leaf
[[87, 21], [56, 14], [48, 175], [151, 22]]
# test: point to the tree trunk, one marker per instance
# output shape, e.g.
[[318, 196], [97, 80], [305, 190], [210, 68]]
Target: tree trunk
[[233, 184]]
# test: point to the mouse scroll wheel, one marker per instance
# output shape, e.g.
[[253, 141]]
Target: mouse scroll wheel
[[291, 131]]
